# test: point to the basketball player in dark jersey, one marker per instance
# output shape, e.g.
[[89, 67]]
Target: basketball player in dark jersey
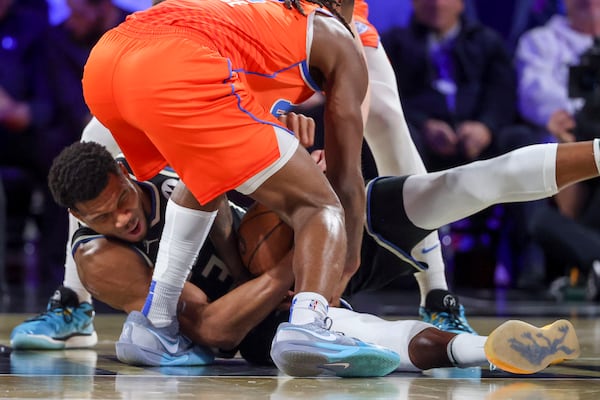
[[241, 316]]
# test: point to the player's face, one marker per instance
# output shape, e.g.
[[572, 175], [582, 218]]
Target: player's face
[[118, 211]]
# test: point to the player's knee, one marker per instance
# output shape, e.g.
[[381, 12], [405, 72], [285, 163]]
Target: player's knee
[[428, 349]]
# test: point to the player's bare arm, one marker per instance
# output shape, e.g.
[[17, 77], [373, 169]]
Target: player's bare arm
[[112, 272], [223, 237], [337, 60], [116, 274]]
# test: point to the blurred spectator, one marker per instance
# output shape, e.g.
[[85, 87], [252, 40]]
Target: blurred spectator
[[456, 83], [511, 18], [71, 42], [26, 109], [458, 87], [571, 231], [543, 58]]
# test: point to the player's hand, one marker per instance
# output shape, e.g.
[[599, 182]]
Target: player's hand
[[302, 126], [440, 137], [319, 157], [474, 137], [560, 125]]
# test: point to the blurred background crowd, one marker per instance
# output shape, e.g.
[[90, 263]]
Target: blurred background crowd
[[477, 78]]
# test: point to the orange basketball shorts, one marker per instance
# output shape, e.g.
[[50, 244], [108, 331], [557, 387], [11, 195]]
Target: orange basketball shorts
[[169, 97]]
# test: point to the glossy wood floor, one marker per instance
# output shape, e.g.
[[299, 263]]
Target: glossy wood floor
[[96, 374]]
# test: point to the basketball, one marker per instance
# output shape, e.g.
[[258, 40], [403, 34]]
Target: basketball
[[264, 239]]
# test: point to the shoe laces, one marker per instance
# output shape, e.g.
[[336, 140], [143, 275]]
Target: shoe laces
[[327, 323], [55, 307], [453, 319]]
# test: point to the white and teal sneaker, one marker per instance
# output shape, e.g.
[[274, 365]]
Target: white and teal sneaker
[[141, 343], [443, 310], [313, 350], [66, 324]]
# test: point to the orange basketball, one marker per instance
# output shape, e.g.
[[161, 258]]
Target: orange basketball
[[264, 239]]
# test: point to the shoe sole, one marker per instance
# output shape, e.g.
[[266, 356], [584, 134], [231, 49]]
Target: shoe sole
[[42, 342], [132, 354], [521, 348], [300, 359]]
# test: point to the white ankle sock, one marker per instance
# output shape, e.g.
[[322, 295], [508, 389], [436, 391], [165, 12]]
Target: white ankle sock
[[308, 307], [466, 350], [429, 251]]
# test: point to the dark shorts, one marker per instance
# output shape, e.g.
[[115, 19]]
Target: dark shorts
[[389, 239]]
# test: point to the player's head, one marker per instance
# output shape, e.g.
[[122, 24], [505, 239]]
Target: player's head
[[98, 191]]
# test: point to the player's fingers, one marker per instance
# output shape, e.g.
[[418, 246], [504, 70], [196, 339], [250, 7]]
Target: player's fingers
[[306, 129], [290, 121]]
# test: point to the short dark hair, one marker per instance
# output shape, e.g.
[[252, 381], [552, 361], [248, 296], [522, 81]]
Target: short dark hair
[[80, 173]]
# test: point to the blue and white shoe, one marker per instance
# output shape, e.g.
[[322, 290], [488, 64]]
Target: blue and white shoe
[[313, 350], [443, 311], [66, 324], [141, 343]]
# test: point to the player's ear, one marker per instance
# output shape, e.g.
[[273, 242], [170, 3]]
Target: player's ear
[[75, 213], [123, 169]]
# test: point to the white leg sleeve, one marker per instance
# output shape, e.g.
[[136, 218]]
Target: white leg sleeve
[[94, 131], [182, 238], [395, 154], [525, 174], [71, 279], [395, 335], [386, 132]]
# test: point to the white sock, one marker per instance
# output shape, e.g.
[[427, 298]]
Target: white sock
[[184, 234], [466, 350], [429, 251], [308, 307]]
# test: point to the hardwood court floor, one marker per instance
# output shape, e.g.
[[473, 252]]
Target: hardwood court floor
[[96, 374]]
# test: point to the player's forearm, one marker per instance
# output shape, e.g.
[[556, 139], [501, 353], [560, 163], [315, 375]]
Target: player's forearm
[[350, 191], [224, 238], [225, 322]]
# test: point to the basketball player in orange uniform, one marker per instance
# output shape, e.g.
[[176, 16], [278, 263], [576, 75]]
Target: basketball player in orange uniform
[[176, 85]]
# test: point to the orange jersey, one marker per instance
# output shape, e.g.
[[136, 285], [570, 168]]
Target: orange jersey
[[368, 33], [249, 34]]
